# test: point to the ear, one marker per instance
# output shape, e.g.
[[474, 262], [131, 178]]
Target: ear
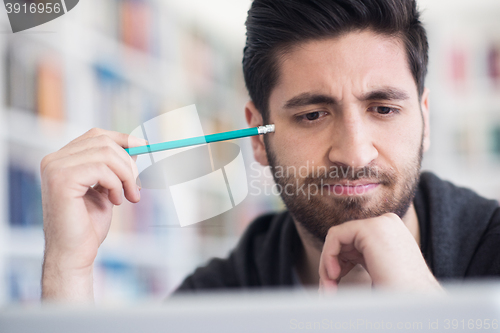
[[424, 105], [254, 119]]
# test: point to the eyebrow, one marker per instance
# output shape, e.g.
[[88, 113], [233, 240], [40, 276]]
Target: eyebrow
[[387, 93], [309, 99]]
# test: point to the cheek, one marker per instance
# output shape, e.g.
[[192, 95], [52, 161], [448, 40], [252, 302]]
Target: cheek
[[293, 149], [400, 145]]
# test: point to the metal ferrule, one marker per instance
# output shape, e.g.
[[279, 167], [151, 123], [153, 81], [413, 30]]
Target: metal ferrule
[[266, 129]]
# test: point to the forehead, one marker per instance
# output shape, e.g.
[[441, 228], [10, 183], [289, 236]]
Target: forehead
[[355, 62]]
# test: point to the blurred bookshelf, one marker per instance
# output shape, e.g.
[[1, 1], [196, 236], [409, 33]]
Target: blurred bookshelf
[[115, 64], [464, 81]]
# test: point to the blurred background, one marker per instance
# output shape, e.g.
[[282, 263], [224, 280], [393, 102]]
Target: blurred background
[[115, 64]]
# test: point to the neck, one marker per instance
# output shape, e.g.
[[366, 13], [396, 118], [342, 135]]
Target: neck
[[307, 264]]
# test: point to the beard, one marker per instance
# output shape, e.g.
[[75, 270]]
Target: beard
[[319, 211]]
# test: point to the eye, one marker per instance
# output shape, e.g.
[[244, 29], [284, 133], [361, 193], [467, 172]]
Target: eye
[[384, 110], [311, 116]]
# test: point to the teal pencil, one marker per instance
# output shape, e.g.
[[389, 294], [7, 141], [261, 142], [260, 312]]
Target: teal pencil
[[199, 140]]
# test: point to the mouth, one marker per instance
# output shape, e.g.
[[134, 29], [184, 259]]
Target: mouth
[[354, 188]]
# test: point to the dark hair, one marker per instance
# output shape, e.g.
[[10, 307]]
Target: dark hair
[[273, 26]]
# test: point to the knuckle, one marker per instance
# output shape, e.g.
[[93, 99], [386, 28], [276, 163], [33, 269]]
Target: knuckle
[[101, 167], [133, 164], [95, 131], [373, 226], [330, 233], [104, 170], [391, 216], [44, 162], [106, 150], [55, 176], [104, 139], [46, 168], [109, 142], [384, 226], [390, 219]]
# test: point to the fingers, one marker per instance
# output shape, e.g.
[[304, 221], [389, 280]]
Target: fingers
[[74, 179], [122, 139], [98, 138], [383, 245], [339, 251], [340, 255], [327, 284], [102, 174], [100, 147], [113, 161], [329, 267]]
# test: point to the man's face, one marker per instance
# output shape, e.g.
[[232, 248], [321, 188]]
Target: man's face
[[347, 111]]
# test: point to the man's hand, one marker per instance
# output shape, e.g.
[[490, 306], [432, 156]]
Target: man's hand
[[383, 246], [77, 214]]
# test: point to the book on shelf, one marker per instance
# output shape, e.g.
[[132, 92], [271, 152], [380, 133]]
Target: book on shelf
[[25, 200], [494, 64], [131, 22], [495, 140], [135, 18], [20, 79], [33, 82], [118, 280], [121, 105], [50, 90], [23, 278]]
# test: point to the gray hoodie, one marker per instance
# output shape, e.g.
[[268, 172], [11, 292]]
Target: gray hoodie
[[459, 231]]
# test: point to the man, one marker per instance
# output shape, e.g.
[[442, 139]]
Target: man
[[343, 82]]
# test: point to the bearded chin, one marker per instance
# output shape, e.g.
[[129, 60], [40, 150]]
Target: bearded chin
[[317, 215]]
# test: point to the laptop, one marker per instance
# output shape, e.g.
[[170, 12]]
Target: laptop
[[462, 308]]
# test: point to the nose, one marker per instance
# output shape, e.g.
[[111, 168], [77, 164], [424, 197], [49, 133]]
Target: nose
[[353, 141]]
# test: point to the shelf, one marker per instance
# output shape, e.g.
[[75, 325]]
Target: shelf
[[152, 73], [25, 242], [477, 171], [25, 128], [164, 250], [136, 249], [101, 79]]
